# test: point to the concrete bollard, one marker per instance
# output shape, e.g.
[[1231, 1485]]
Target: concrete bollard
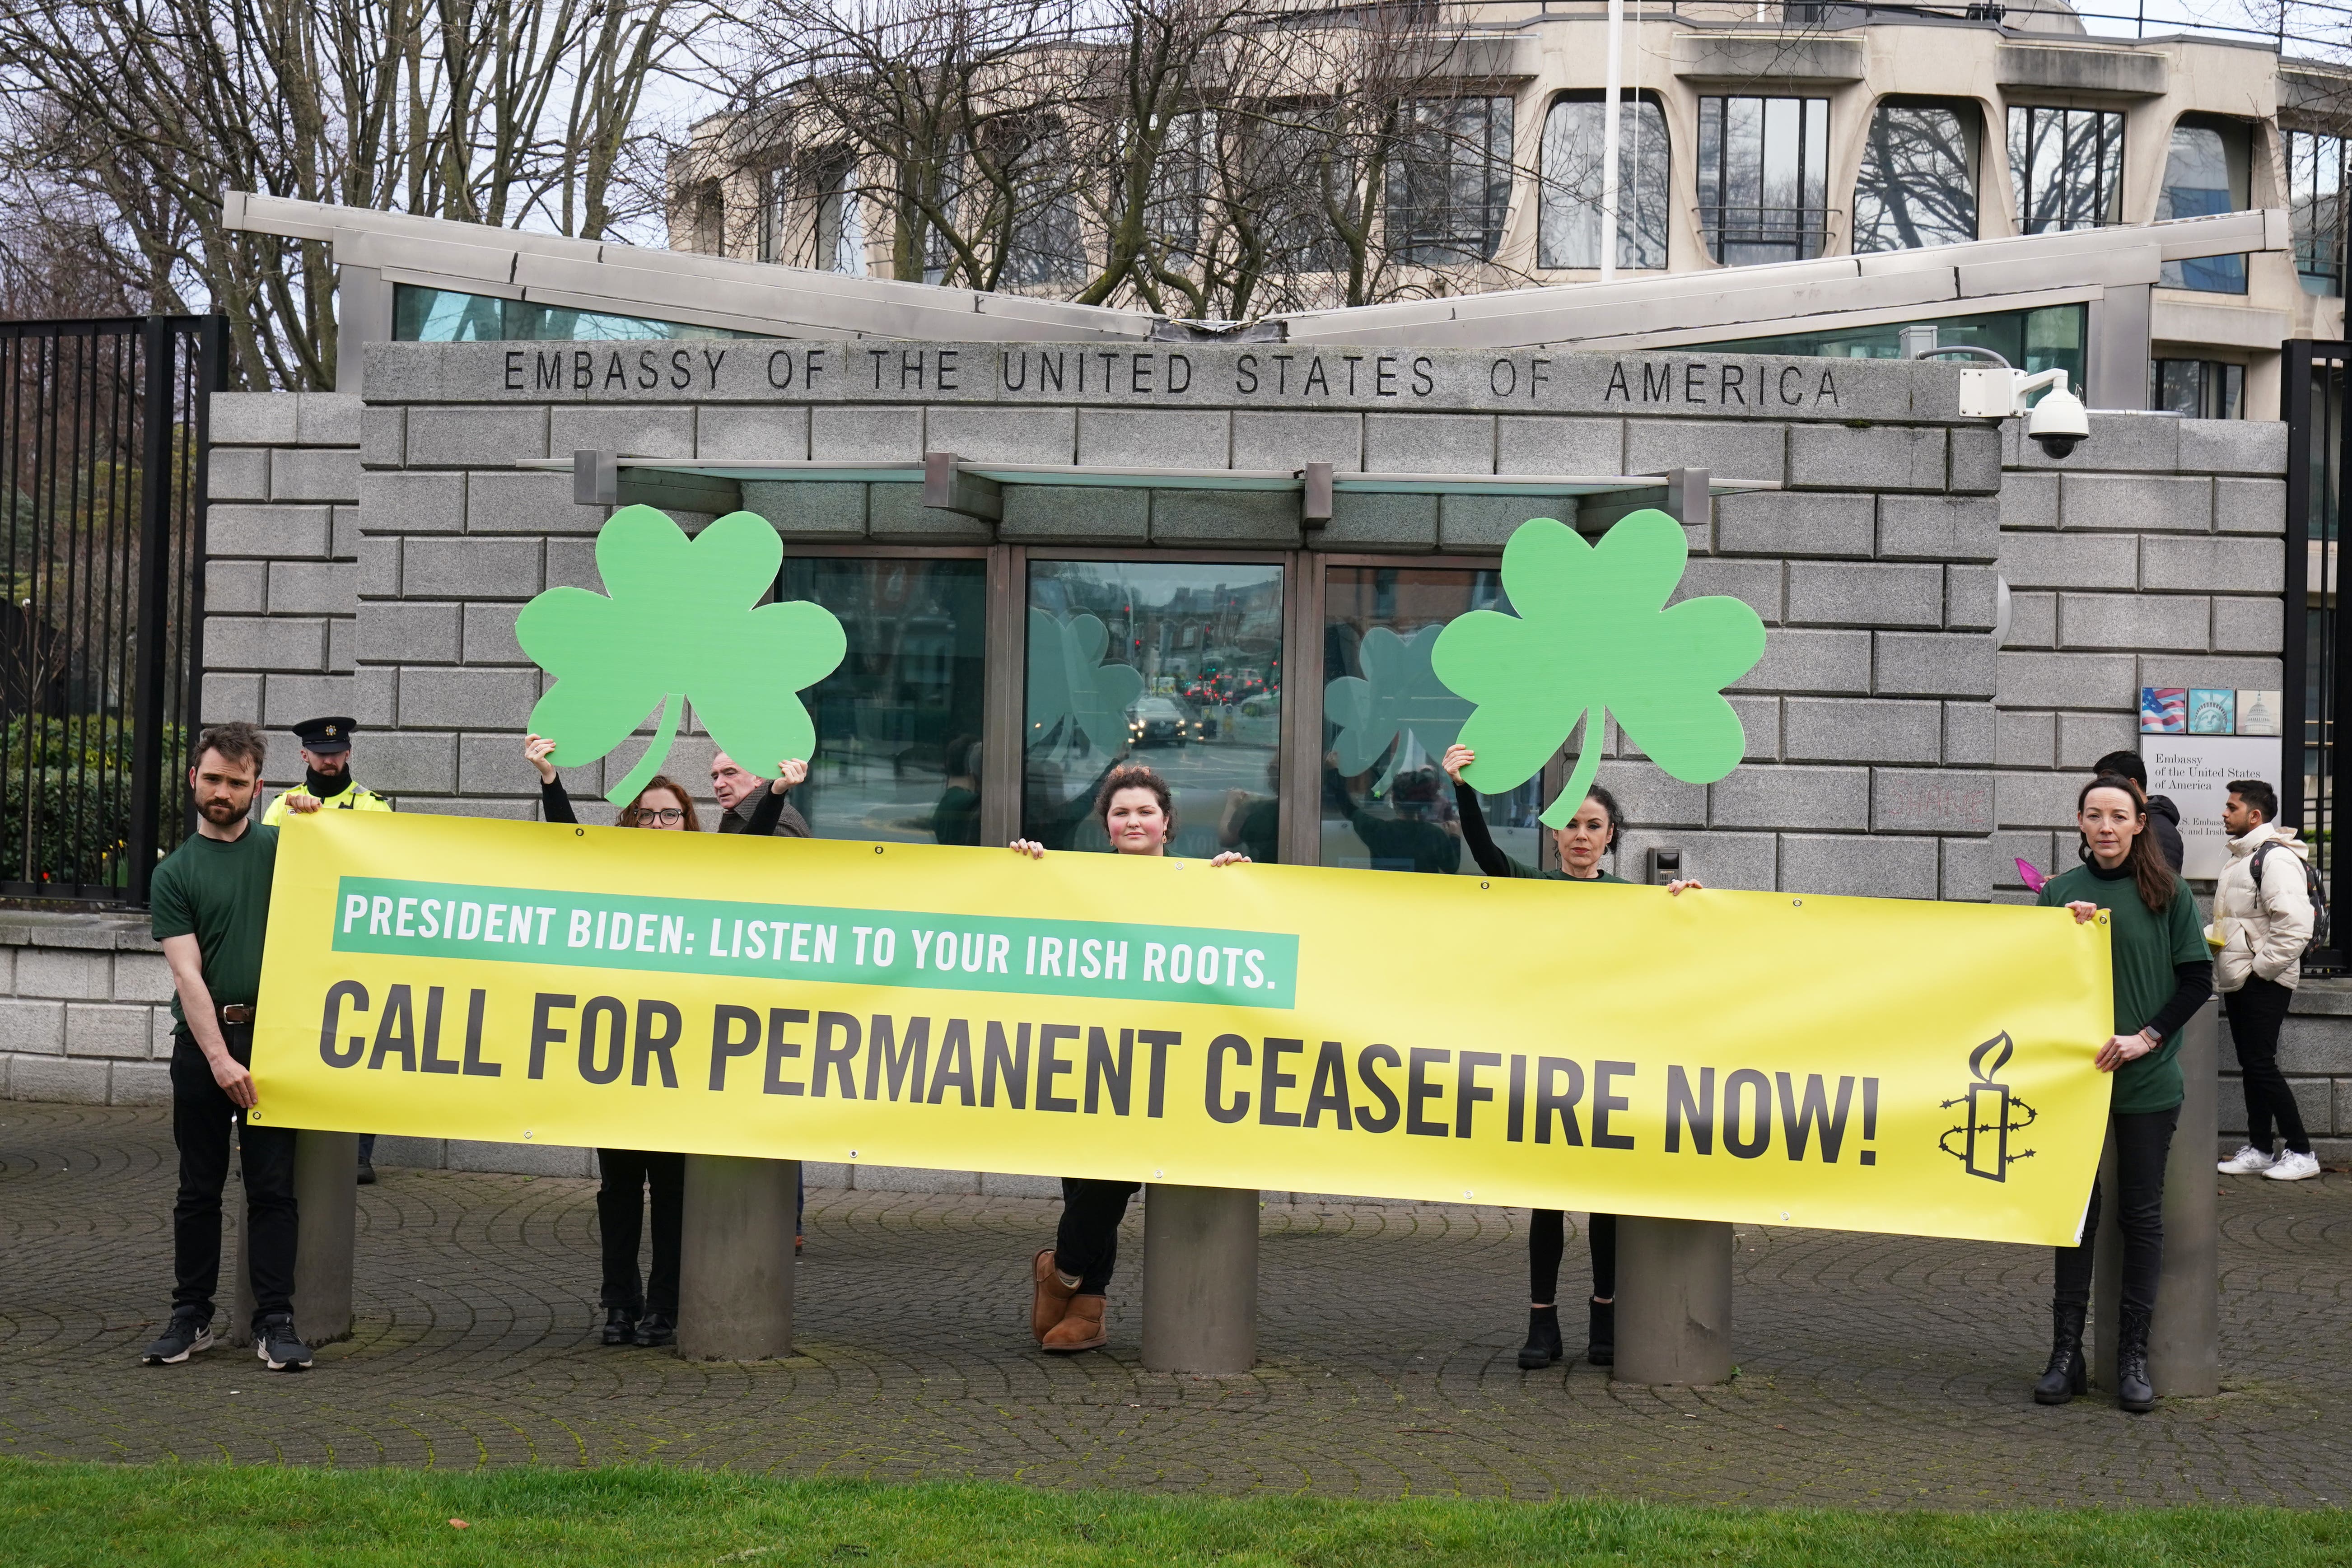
[[735, 1262], [1673, 1301], [2184, 1354], [1200, 1279], [326, 1198]]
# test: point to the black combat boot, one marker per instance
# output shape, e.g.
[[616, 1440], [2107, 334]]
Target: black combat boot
[[1600, 1340], [2065, 1376], [1543, 1346], [2133, 1391]]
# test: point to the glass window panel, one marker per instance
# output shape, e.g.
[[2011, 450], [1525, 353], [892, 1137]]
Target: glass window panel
[[2045, 339], [420, 315], [2197, 182], [898, 724], [2316, 205], [2065, 168], [1918, 183], [1568, 223], [1763, 169], [1387, 805], [1452, 192], [1176, 666], [2200, 388]]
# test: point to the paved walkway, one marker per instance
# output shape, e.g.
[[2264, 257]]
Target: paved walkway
[[1875, 1371]]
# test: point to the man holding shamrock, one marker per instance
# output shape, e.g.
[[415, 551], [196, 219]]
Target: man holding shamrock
[[742, 795], [211, 900]]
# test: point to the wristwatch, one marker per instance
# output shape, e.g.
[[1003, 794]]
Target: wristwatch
[[2151, 1036]]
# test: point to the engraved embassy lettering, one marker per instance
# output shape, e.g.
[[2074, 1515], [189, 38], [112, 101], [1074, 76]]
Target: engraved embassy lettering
[[1705, 384]]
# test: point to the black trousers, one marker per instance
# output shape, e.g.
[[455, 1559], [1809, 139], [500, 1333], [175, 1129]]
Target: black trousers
[[1087, 1244], [1548, 1239], [2142, 1143], [620, 1224], [2256, 1010], [202, 1117]]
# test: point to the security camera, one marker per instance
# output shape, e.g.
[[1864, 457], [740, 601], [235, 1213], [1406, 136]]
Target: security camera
[[2058, 423]]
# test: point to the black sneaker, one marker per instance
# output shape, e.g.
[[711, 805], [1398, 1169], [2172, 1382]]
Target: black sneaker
[[653, 1329], [620, 1329], [275, 1344], [189, 1332], [367, 1174]]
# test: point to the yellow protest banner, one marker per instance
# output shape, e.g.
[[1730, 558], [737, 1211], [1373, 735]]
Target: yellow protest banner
[[1844, 1063]]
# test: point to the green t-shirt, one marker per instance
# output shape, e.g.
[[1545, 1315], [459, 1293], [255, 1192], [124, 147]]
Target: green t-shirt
[[2145, 945], [219, 893]]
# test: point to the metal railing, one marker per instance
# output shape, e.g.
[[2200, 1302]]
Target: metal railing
[[103, 430]]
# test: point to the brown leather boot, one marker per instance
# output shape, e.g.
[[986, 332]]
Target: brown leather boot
[[1052, 1301], [1081, 1330]]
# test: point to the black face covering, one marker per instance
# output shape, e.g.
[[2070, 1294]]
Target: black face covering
[[326, 787]]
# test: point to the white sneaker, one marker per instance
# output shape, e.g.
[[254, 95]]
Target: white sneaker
[[2293, 1167], [2247, 1161]]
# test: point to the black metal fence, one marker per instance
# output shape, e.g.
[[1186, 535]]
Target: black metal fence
[[2316, 680], [103, 431]]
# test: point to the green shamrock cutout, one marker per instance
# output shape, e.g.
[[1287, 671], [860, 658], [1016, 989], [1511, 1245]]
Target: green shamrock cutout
[[1593, 637], [1398, 693], [1068, 680], [683, 621]]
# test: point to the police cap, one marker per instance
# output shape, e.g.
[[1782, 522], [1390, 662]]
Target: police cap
[[323, 735]]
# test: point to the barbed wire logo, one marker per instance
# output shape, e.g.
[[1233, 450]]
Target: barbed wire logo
[[1994, 1115]]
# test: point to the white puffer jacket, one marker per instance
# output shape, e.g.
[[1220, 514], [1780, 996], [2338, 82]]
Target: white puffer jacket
[[2261, 931]]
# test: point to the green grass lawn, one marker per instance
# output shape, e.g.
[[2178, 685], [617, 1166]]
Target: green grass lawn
[[62, 1516]]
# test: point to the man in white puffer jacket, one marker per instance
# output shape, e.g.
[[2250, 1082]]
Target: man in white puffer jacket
[[2260, 933]]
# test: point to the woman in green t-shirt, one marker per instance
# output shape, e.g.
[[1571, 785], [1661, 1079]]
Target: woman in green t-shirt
[[2163, 974], [1590, 834]]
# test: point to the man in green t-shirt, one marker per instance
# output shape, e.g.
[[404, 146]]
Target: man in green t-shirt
[[211, 904]]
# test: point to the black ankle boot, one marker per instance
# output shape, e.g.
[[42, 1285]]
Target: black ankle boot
[[620, 1329], [2133, 1391], [654, 1329], [2064, 1376], [1601, 1347], [1543, 1346]]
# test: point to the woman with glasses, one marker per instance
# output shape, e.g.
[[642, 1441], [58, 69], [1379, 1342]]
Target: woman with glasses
[[645, 1312], [1073, 1276], [1590, 834]]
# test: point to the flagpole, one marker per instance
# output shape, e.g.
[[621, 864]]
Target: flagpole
[[1609, 109]]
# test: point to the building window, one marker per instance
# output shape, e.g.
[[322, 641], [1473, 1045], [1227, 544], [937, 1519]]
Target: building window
[[1917, 185], [775, 194], [2200, 388], [840, 219], [1045, 248], [1452, 194], [2049, 338], [1763, 175], [2209, 170], [422, 315], [1174, 666], [1567, 219], [1387, 805], [2314, 166], [899, 723], [2066, 168]]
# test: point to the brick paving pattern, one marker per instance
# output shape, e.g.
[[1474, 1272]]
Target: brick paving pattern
[[1875, 1371]]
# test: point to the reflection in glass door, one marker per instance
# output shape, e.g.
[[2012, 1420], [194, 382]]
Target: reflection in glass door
[[1387, 721], [898, 724], [1174, 666]]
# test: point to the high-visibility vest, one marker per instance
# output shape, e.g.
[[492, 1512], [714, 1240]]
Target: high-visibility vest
[[355, 797]]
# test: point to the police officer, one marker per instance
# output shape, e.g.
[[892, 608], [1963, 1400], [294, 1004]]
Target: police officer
[[327, 785], [327, 782]]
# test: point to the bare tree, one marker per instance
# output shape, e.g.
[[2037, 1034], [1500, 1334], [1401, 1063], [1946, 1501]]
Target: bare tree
[[132, 117]]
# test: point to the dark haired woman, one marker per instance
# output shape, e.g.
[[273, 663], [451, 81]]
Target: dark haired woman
[[2163, 974], [645, 1312], [1590, 834], [1073, 1276]]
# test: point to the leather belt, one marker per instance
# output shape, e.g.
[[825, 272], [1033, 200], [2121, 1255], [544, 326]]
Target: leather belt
[[237, 1013]]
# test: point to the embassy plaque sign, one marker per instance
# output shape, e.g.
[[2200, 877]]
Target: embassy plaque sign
[[1272, 376]]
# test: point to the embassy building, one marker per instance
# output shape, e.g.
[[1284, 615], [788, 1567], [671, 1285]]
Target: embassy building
[[1058, 535]]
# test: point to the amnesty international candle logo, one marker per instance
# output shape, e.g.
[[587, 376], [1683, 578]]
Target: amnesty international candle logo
[[1993, 1113]]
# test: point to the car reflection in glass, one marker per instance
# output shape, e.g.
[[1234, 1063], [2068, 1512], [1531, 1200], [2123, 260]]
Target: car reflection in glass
[[1158, 721]]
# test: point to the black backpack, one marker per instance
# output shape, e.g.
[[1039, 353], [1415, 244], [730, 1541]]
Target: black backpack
[[2312, 884]]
